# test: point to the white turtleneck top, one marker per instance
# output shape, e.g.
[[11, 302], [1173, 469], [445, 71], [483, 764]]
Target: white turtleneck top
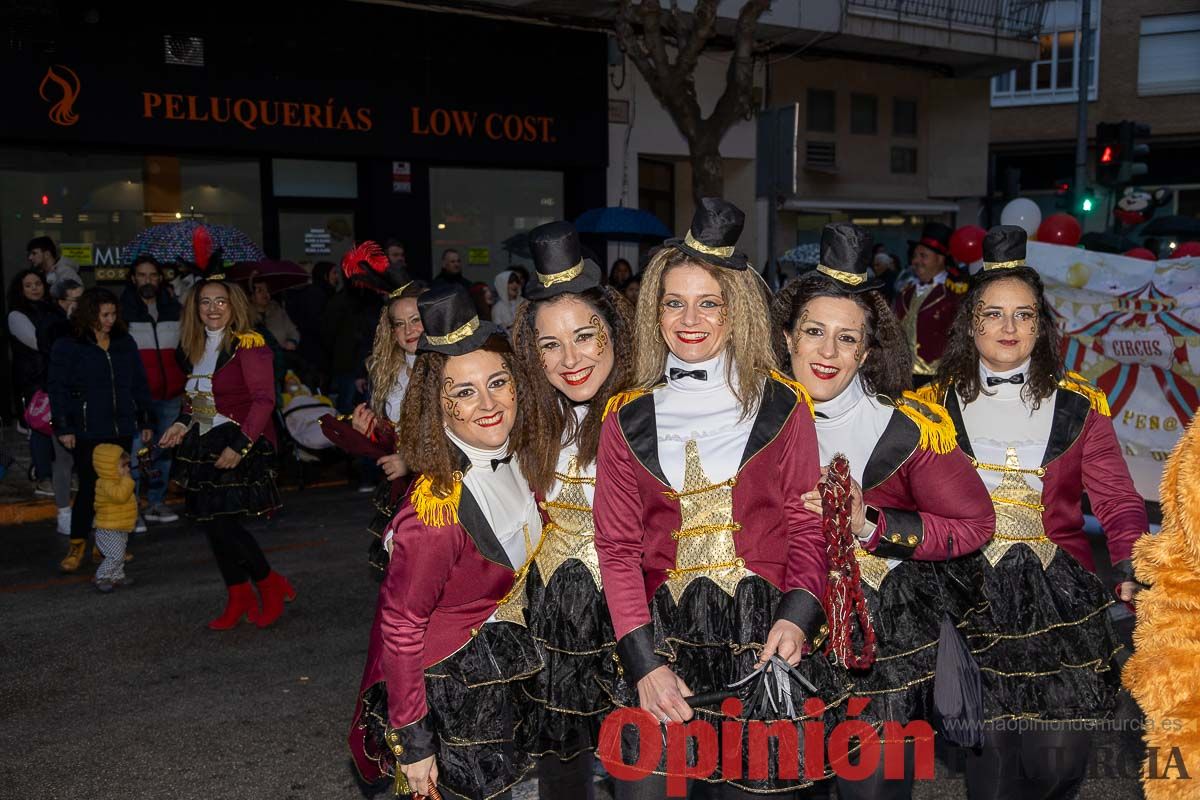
[[395, 397], [1000, 418], [568, 451], [200, 381], [706, 411], [851, 423]]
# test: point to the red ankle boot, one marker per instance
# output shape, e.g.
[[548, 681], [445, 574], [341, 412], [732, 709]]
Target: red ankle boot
[[274, 591], [241, 602]]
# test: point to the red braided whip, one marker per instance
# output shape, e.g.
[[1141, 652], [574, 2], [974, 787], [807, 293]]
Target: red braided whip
[[844, 599]]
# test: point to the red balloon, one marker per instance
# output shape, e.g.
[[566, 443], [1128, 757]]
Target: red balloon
[[1142, 253], [966, 244], [1060, 228], [1186, 249]]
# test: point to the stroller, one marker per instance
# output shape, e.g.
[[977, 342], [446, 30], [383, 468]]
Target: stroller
[[300, 414]]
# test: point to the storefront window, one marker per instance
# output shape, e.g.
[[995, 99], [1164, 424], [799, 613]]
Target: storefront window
[[483, 213], [93, 205]]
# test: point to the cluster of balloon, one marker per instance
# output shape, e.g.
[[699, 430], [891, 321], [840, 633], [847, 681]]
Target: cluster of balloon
[[1186, 249], [1023, 213], [1061, 229], [966, 244]]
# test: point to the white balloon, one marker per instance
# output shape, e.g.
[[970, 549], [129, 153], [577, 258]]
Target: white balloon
[[1023, 213]]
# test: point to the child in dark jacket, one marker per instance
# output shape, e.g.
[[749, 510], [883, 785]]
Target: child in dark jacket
[[116, 513]]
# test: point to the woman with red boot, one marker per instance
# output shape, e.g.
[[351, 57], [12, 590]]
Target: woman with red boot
[[227, 441]]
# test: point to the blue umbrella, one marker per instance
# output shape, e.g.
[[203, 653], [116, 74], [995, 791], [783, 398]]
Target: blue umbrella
[[803, 254], [172, 242], [618, 222]]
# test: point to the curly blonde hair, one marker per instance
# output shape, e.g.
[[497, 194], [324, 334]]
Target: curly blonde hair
[[387, 355], [749, 338], [191, 327]]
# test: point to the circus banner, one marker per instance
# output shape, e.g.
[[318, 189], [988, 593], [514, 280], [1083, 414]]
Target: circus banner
[[1132, 327]]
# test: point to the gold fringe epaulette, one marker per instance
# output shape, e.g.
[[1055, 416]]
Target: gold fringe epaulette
[[251, 339], [958, 287], [621, 398], [1080, 385], [937, 429], [930, 393], [797, 387], [434, 510]]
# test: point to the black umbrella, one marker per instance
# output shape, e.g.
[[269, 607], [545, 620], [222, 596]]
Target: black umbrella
[[1106, 242], [1176, 225]]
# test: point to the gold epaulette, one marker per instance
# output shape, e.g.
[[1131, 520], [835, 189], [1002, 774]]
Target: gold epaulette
[[1080, 385], [251, 339], [930, 393], [434, 510], [933, 420], [797, 387], [621, 398], [958, 287]]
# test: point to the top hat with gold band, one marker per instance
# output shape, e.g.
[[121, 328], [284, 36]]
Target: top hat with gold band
[[845, 249], [716, 226], [1004, 247], [936, 237], [559, 264], [452, 323], [368, 266]]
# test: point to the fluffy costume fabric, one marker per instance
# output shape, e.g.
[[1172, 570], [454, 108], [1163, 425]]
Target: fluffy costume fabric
[[1164, 672]]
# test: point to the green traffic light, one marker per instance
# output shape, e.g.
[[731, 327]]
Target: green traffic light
[[1087, 204]]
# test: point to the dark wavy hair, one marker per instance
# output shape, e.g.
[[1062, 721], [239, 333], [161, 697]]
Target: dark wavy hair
[[87, 314], [959, 366], [888, 367], [424, 445], [551, 419], [16, 293]]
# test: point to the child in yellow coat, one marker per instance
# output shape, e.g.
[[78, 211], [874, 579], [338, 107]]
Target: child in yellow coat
[[116, 514]]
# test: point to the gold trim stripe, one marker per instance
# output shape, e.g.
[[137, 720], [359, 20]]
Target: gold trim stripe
[[455, 336], [561, 277], [845, 277], [989, 265], [692, 242], [392, 295]]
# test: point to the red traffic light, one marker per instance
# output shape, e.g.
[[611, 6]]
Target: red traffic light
[[1108, 155]]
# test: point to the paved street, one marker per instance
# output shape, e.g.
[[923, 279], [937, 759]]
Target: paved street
[[129, 696]]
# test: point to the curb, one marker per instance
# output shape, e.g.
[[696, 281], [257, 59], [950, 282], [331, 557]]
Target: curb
[[42, 510]]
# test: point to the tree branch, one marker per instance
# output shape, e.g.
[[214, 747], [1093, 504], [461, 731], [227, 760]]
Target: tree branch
[[651, 13], [702, 31], [739, 77]]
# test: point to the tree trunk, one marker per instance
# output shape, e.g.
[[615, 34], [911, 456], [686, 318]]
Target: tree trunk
[[708, 170]]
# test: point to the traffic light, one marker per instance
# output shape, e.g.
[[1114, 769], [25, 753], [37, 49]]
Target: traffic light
[[1108, 153], [1133, 152], [1087, 201], [1062, 194], [1120, 157]]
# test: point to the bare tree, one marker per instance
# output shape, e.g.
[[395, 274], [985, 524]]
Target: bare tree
[[644, 29]]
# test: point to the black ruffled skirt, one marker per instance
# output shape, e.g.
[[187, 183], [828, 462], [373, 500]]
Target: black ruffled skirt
[[475, 704], [249, 488], [1046, 645], [567, 699], [906, 614], [712, 640]]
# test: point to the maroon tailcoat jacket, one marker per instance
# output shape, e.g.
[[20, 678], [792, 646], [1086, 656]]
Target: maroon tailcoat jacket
[[926, 505], [779, 540], [243, 387], [1083, 454], [934, 318]]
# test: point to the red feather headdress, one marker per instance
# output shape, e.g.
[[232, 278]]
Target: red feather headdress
[[368, 266], [207, 261]]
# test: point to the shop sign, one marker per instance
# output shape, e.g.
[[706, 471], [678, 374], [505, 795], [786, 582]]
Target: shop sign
[[479, 256], [402, 177], [317, 241], [81, 254]]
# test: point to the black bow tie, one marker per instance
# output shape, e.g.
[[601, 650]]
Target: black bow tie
[[1015, 380], [699, 374], [496, 462]]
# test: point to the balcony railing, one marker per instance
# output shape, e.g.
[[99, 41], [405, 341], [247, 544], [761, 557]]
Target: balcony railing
[[1018, 19]]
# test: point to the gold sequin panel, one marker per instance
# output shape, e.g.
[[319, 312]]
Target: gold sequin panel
[[1018, 512], [571, 533]]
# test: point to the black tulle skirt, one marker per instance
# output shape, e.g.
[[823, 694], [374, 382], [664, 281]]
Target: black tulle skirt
[[906, 614], [567, 699], [249, 488], [477, 709], [711, 640], [1046, 644]]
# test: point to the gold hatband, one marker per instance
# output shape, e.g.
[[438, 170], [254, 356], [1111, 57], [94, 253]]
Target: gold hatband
[[455, 336]]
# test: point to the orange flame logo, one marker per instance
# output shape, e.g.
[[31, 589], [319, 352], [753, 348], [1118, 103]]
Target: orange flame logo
[[61, 113]]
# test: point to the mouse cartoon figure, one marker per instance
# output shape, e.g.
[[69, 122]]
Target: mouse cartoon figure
[[1136, 205]]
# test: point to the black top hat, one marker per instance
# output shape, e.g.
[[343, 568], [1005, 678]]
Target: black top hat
[[716, 226], [368, 266], [935, 236], [1004, 247], [452, 323], [844, 252], [559, 264]]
